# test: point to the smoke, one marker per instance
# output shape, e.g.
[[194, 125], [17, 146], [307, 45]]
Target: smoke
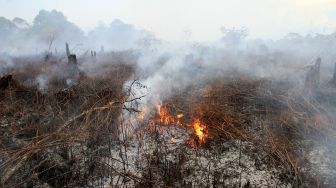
[[164, 67], [174, 65], [6, 63], [51, 30], [118, 36], [169, 68]]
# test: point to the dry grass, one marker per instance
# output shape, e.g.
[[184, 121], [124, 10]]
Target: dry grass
[[274, 116], [55, 137], [59, 136]]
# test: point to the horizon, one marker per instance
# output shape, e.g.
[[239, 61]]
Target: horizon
[[191, 21]]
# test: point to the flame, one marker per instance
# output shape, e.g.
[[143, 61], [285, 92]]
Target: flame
[[139, 117], [142, 114], [179, 116], [200, 130], [165, 118]]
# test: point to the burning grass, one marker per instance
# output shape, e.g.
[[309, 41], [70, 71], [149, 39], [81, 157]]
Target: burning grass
[[166, 119], [273, 116], [227, 131]]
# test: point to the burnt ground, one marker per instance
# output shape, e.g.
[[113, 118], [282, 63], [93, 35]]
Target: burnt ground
[[260, 133]]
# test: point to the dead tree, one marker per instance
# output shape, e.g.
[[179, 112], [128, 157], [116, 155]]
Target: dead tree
[[72, 69], [67, 49], [72, 59], [93, 53], [313, 76], [93, 56], [47, 56]]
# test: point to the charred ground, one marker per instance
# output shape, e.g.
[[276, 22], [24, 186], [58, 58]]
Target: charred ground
[[91, 131]]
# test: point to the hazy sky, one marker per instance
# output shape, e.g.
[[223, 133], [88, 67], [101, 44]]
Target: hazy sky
[[199, 20]]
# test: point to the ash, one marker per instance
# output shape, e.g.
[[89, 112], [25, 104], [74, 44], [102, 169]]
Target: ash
[[165, 157]]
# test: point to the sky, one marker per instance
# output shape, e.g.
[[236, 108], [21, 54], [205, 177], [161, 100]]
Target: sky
[[196, 20]]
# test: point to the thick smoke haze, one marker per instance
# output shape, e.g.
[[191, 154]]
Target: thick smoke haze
[[51, 30], [161, 61], [162, 66]]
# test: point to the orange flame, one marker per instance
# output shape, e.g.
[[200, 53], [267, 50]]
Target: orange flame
[[165, 117], [200, 130], [142, 114], [179, 116]]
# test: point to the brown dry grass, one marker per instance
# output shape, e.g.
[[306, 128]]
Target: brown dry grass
[[59, 136], [55, 137], [274, 116]]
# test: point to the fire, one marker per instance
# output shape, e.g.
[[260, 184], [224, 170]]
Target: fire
[[179, 116], [200, 130], [139, 117], [166, 118], [142, 114]]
